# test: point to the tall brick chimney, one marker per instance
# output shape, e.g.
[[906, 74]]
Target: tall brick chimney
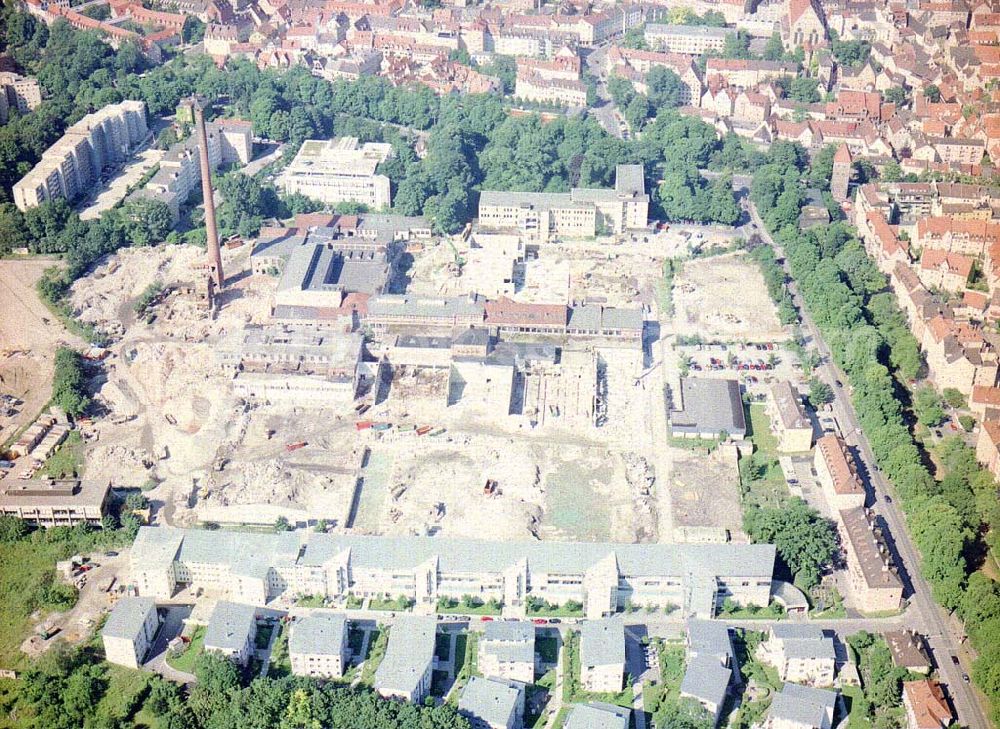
[[211, 230]]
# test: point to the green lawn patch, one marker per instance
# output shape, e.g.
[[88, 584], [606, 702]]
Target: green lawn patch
[[353, 603], [376, 651], [67, 461], [397, 604], [573, 692], [281, 662], [541, 608], [547, 648], [451, 606], [355, 640], [439, 683], [125, 694], [263, 637], [466, 662], [442, 646], [311, 601], [28, 581], [185, 660]]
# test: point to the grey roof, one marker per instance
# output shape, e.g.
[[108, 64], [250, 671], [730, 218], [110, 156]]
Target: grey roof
[[509, 631], [421, 341], [162, 544], [510, 641], [711, 638], [597, 715], [710, 406], [685, 30], [630, 181], [541, 200], [788, 631], [810, 649], [706, 680], [230, 625], [408, 655], [128, 617], [320, 267], [804, 705], [602, 642], [158, 546], [490, 700], [396, 305], [318, 634]]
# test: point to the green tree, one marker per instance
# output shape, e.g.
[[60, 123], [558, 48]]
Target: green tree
[[664, 87], [932, 93], [775, 49], [806, 542], [68, 388]]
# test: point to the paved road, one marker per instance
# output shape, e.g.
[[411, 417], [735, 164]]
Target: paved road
[[931, 617]]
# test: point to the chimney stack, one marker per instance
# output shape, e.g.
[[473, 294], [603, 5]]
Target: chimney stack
[[212, 232]]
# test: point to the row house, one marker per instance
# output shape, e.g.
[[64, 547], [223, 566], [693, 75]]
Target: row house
[[944, 270], [959, 355], [749, 73], [534, 87], [968, 237]]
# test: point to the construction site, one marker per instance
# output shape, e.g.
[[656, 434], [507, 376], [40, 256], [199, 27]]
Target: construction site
[[360, 373]]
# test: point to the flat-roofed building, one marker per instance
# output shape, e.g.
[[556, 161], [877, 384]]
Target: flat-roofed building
[[837, 472], [602, 655], [580, 213], [129, 631], [872, 574], [50, 503], [597, 715], [310, 366], [709, 408], [318, 646], [492, 703], [789, 421], [72, 165], [405, 670], [258, 567], [339, 170], [17, 92], [690, 39], [231, 631], [507, 650]]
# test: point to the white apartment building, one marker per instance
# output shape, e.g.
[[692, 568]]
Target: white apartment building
[[405, 670], [582, 212], [17, 92], [129, 631], [317, 646], [255, 568], [230, 141], [693, 40], [339, 170], [602, 655], [507, 650], [231, 631], [75, 162]]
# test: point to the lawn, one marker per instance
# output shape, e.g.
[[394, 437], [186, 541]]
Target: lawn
[[573, 692], [376, 650], [311, 601], [398, 604], [439, 683], [67, 461], [125, 694], [857, 707], [540, 608], [28, 581], [466, 662], [672, 663], [185, 661], [446, 606], [353, 603], [263, 637], [281, 663], [770, 489], [547, 649], [442, 646]]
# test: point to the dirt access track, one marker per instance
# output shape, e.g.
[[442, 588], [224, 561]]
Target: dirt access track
[[29, 337]]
